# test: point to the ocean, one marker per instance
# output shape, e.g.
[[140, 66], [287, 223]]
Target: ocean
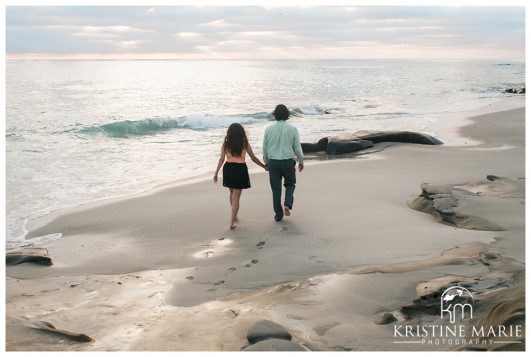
[[85, 131]]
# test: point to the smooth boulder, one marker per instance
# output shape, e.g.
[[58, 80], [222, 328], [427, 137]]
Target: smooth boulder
[[397, 137], [337, 145], [274, 345], [265, 329], [28, 255]]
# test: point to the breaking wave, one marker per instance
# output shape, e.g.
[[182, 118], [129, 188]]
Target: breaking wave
[[310, 110], [153, 126], [159, 125]]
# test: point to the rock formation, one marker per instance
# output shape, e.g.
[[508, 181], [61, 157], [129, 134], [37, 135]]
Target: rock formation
[[337, 145]]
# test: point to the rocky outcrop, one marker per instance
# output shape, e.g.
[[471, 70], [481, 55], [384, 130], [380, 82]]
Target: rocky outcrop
[[264, 329], [321, 145], [28, 255], [445, 202], [398, 137], [345, 146], [274, 345], [337, 145], [515, 90], [269, 336], [49, 328]]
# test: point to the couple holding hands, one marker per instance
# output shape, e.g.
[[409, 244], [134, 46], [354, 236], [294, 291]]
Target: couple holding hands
[[281, 145]]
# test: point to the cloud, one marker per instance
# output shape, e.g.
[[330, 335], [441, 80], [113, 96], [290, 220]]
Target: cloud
[[106, 30], [188, 35], [266, 32], [218, 23]]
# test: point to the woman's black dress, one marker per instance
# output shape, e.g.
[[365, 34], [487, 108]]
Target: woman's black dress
[[236, 175]]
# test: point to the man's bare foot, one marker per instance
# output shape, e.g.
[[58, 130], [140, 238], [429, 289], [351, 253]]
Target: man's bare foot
[[287, 212]]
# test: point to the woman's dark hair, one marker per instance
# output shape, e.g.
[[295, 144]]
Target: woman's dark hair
[[235, 140], [281, 112]]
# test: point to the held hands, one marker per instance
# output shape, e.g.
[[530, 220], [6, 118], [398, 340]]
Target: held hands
[[266, 167], [216, 178], [301, 167]]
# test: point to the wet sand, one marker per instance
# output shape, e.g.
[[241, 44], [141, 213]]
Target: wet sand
[[351, 267]]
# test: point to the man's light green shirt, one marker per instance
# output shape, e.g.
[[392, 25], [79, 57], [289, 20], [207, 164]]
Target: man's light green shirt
[[282, 142]]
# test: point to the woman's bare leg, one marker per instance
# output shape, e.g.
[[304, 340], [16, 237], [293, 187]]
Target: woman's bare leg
[[231, 190], [235, 206]]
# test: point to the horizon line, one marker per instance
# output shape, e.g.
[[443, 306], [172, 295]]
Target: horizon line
[[29, 56]]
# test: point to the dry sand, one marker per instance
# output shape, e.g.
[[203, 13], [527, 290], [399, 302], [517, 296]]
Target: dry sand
[[163, 272]]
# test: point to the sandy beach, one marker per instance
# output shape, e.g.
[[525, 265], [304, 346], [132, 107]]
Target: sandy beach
[[349, 270]]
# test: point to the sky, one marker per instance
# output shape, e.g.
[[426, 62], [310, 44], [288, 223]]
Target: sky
[[280, 30]]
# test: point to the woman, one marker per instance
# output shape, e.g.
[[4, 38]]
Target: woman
[[235, 173]]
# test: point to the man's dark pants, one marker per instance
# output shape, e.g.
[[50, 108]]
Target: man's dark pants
[[278, 170]]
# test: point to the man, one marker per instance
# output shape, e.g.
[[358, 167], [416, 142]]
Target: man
[[281, 144]]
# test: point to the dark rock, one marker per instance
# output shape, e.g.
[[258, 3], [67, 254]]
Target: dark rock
[[495, 178], [398, 137], [385, 319], [28, 255], [515, 90], [364, 139], [274, 345], [265, 329], [321, 145], [15, 259], [338, 147]]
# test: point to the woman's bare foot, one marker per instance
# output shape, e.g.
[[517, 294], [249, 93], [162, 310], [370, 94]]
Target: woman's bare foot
[[233, 224], [287, 211]]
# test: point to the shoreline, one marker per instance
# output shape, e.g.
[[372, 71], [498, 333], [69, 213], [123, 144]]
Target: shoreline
[[446, 129], [305, 273]]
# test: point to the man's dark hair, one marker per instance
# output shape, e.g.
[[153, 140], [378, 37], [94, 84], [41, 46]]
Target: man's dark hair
[[281, 112]]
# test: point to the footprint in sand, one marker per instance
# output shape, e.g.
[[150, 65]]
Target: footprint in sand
[[283, 229], [217, 246], [254, 261], [216, 284], [231, 269], [261, 244]]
